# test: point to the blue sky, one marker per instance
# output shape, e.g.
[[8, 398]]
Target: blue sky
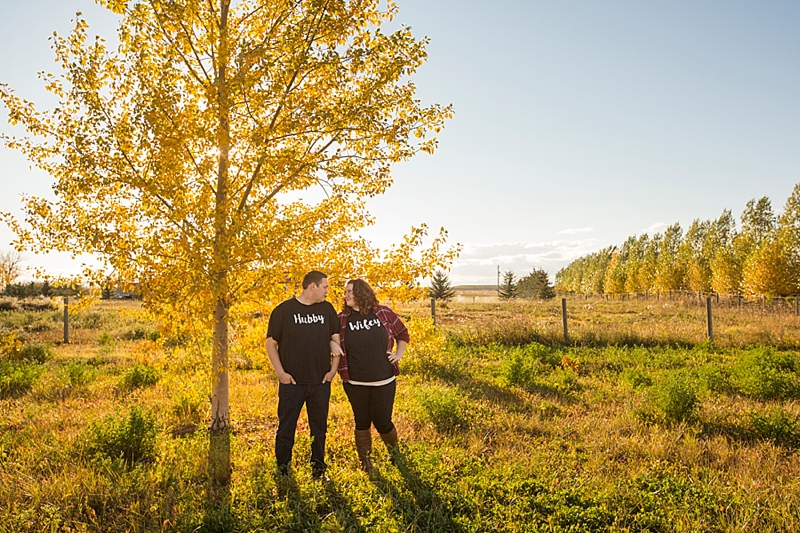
[[577, 123]]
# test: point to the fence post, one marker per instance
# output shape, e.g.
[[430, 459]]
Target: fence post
[[66, 319], [433, 311], [710, 320], [564, 319]]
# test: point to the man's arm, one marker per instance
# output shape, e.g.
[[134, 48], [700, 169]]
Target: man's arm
[[336, 351], [272, 351]]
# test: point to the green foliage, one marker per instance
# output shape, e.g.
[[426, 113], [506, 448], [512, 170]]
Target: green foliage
[[140, 332], [776, 425], [17, 378], [522, 365], [78, 373], [636, 378], [440, 288], [140, 375], [675, 397], [188, 408], [508, 289], [36, 352], [444, 409], [765, 373], [131, 437], [536, 285], [564, 380]]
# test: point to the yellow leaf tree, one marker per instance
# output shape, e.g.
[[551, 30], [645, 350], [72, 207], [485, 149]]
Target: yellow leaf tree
[[224, 148]]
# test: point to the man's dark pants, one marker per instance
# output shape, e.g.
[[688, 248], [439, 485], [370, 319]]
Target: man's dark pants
[[290, 402]]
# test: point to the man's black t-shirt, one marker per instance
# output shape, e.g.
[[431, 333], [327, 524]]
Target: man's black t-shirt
[[303, 333], [366, 341]]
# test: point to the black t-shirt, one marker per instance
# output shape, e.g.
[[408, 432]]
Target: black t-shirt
[[303, 333], [366, 341]]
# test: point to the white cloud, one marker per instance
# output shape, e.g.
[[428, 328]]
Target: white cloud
[[657, 227], [575, 231], [478, 262]]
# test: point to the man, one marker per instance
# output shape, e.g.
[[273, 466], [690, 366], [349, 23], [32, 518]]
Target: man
[[303, 333]]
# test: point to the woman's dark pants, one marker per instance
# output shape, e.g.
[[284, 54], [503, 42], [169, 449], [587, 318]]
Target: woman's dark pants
[[290, 402], [372, 405]]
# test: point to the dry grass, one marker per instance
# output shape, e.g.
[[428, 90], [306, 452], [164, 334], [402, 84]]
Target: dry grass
[[570, 444]]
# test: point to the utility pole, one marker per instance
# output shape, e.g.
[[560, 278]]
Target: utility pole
[[498, 280]]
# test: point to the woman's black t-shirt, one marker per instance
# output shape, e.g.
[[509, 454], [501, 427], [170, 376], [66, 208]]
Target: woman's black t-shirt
[[366, 341]]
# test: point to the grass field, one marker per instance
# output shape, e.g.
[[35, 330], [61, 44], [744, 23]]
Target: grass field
[[639, 425]]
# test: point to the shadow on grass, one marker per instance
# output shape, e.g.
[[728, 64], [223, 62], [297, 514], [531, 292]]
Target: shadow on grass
[[419, 507], [306, 515], [786, 438], [218, 514]]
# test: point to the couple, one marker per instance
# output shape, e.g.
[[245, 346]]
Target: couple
[[306, 346]]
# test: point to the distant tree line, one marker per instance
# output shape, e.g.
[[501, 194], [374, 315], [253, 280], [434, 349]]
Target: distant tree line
[[760, 257], [34, 289], [534, 286]]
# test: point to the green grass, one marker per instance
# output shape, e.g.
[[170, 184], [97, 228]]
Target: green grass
[[108, 435]]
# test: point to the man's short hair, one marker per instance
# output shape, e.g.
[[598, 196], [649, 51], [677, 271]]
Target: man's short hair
[[315, 277]]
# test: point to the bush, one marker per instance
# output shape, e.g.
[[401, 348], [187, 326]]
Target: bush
[[7, 304], [766, 374], [636, 378], [444, 410], [675, 398], [79, 373], [141, 332], [520, 369], [140, 375], [17, 378], [777, 426], [131, 438], [105, 339], [188, 408], [564, 381], [36, 352]]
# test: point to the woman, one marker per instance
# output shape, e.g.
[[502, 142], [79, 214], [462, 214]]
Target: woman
[[368, 335]]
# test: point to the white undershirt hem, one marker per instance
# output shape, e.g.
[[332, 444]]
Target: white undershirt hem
[[373, 383]]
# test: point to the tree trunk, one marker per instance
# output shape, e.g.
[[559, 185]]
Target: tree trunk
[[219, 452]]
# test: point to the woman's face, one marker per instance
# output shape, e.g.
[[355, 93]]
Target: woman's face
[[349, 299]]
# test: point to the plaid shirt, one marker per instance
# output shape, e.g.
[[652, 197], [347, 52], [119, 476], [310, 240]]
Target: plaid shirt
[[394, 327]]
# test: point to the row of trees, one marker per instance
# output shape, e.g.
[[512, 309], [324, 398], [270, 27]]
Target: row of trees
[[759, 258], [534, 286]]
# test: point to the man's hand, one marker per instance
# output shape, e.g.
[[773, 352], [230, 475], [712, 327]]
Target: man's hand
[[329, 376], [286, 378]]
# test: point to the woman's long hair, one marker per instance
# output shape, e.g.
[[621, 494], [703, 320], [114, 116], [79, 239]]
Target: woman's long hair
[[364, 296]]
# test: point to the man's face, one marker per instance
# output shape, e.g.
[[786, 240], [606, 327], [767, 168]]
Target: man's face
[[319, 292]]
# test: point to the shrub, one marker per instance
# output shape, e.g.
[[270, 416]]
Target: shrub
[[444, 410], [636, 378], [131, 438], [7, 304], [36, 352], [141, 332], [766, 374], [675, 398], [140, 375], [777, 426], [17, 378], [79, 373], [188, 408], [519, 369], [564, 380], [105, 339]]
